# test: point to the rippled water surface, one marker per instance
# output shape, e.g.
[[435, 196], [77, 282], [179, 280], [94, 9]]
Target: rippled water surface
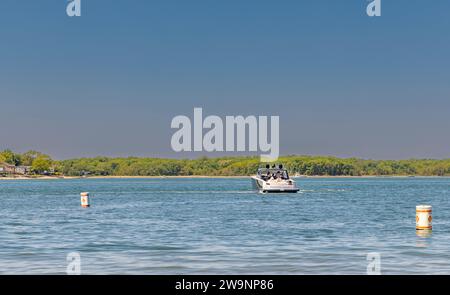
[[221, 226]]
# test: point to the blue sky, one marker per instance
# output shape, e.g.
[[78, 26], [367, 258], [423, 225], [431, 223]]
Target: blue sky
[[109, 82]]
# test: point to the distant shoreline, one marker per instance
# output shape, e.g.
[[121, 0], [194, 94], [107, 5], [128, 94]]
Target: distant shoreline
[[34, 164], [206, 177]]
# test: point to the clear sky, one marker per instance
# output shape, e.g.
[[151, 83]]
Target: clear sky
[[110, 82]]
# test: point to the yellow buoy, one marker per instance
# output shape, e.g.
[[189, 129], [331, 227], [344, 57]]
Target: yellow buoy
[[424, 217], [85, 200]]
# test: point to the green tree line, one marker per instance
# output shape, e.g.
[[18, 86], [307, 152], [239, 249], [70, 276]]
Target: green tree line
[[39, 162], [226, 166]]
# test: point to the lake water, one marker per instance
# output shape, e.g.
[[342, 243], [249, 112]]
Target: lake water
[[221, 226]]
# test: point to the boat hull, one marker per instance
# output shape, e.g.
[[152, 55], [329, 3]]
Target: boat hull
[[266, 187]]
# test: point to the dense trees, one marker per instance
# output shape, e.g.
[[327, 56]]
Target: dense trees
[[38, 162], [228, 166], [9, 157], [27, 158], [41, 164], [225, 166]]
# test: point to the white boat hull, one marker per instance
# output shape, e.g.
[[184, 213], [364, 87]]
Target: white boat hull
[[274, 187]]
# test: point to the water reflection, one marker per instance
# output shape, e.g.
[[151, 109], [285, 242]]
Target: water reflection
[[424, 236]]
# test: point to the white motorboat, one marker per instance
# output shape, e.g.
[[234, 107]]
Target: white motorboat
[[274, 180]]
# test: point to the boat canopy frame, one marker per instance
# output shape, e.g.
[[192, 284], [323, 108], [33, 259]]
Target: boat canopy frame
[[273, 172]]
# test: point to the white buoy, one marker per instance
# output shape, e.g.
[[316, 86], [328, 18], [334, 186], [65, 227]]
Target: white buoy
[[85, 200], [424, 217]]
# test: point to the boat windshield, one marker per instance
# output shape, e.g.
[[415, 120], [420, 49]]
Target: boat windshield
[[268, 173]]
